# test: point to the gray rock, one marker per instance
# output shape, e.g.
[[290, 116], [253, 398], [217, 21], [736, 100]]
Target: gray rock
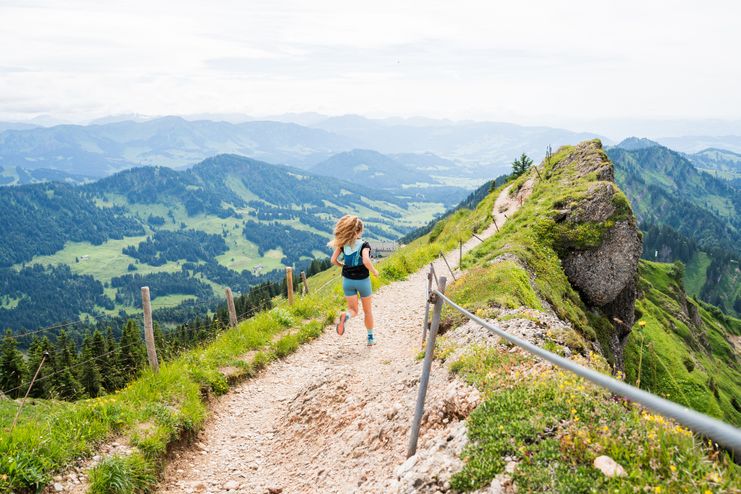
[[602, 273], [609, 467]]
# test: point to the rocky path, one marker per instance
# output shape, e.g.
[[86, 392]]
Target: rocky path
[[333, 417]]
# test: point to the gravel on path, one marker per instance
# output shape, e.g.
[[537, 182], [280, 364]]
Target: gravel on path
[[333, 417]]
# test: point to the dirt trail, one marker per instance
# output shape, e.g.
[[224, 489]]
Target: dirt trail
[[333, 417]]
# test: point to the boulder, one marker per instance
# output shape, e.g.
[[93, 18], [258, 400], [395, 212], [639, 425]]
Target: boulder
[[601, 274], [609, 467]]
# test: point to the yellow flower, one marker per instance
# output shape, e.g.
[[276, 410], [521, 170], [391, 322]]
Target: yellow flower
[[672, 468], [657, 489], [708, 491]]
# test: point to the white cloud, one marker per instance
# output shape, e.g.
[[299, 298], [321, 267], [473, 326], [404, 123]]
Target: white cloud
[[535, 61]]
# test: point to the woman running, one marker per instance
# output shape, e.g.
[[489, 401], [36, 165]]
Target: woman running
[[356, 269]]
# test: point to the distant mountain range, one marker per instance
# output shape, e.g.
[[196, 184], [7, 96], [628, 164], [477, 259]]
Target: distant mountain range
[[694, 144], [720, 163], [482, 148], [371, 168], [473, 149], [99, 150]]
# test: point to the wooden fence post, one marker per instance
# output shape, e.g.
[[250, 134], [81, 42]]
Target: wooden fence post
[[306, 285], [149, 331], [230, 307], [289, 284]]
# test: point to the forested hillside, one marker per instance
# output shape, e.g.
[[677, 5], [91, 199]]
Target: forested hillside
[[687, 215], [71, 251]]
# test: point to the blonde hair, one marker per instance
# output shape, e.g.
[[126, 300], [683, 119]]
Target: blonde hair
[[346, 230]]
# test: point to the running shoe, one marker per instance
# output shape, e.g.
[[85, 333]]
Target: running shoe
[[371, 340], [341, 324]]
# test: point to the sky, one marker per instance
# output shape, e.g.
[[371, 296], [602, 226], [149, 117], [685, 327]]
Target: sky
[[563, 63]]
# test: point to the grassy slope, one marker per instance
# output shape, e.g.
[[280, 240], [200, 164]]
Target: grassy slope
[[695, 274], [695, 366], [155, 411], [553, 423], [534, 238]]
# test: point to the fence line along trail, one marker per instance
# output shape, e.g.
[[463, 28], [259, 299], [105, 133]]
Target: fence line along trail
[[333, 417]]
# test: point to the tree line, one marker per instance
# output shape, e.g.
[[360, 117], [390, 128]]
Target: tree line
[[294, 243], [165, 245]]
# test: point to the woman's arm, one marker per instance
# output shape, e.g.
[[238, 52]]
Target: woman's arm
[[334, 260], [367, 261]]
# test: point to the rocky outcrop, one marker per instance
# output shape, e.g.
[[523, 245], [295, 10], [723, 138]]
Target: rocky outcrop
[[605, 274]]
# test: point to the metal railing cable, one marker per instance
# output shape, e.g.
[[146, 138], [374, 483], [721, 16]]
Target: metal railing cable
[[720, 432], [47, 328]]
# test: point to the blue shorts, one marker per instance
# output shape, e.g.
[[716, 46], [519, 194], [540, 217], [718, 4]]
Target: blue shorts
[[351, 287]]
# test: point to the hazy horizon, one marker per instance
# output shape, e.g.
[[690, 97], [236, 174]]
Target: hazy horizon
[[653, 69]]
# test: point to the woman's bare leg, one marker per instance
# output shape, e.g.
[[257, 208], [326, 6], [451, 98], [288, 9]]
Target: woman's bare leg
[[352, 305], [368, 311]]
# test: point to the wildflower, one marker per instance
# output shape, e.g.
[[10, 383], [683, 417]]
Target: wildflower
[[672, 468], [713, 477], [657, 489]]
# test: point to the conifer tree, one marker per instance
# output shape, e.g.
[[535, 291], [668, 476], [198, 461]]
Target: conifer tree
[[12, 366], [521, 165], [36, 352], [132, 353], [159, 342], [89, 374], [64, 382], [111, 374]]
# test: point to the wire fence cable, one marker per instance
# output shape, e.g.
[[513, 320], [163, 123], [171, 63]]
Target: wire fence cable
[[720, 432]]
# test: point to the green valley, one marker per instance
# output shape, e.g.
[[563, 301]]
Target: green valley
[[228, 221]]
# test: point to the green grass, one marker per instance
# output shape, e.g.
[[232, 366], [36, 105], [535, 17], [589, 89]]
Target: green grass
[[695, 273], [537, 236], [694, 366], [555, 424], [104, 261], [154, 410], [122, 475], [505, 284]]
